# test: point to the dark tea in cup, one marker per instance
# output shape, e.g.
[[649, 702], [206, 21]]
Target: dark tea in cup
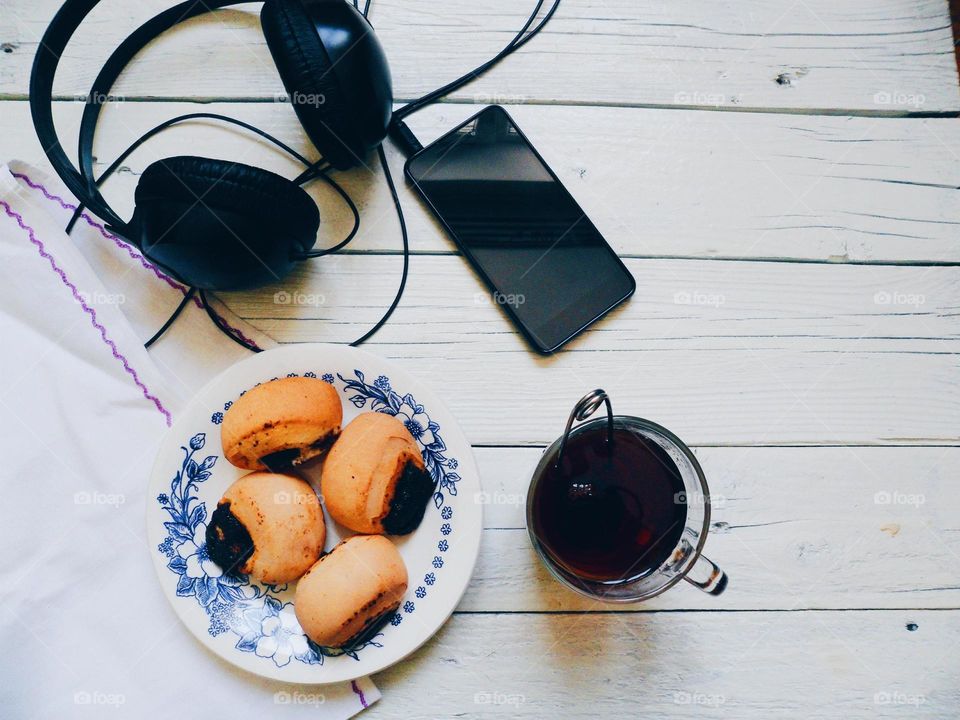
[[618, 508], [614, 509]]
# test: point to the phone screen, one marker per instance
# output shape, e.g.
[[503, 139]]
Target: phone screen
[[546, 262]]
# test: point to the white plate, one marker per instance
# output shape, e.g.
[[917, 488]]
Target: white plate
[[254, 626]]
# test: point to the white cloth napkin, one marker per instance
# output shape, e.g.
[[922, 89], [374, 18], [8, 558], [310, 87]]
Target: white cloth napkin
[[86, 631]]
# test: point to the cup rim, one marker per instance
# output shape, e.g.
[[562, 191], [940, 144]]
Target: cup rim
[[648, 425]]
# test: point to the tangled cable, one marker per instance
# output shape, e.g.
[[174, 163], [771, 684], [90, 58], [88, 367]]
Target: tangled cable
[[319, 169]]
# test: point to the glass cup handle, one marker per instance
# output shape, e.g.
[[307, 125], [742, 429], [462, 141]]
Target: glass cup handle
[[707, 575]]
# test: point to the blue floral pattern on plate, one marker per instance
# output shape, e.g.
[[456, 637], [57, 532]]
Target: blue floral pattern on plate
[[262, 623], [383, 398]]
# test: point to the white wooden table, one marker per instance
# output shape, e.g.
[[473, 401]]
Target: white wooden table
[[782, 178]]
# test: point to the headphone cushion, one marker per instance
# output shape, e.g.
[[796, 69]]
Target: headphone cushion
[[219, 225], [307, 74]]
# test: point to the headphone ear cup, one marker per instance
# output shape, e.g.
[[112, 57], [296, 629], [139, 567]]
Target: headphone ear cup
[[220, 225], [335, 73]]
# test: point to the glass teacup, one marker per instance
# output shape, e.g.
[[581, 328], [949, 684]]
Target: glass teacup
[[618, 508]]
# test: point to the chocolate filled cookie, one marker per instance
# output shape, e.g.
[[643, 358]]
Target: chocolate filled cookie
[[269, 526], [348, 594], [374, 479], [281, 423]]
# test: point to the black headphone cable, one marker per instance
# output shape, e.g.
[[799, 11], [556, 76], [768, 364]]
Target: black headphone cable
[[408, 143], [174, 121], [518, 41], [406, 250], [187, 297], [314, 170], [400, 133]]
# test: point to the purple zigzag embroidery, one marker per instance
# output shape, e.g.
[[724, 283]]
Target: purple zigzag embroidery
[[103, 231], [147, 265], [359, 692], [11, 213]]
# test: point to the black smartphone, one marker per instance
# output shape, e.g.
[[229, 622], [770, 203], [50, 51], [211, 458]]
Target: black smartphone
[[546, 264]]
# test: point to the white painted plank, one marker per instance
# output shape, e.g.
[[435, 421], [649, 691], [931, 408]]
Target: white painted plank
[[656, 182], [721, 352], [866, 55], [682, 665], [794, 528]]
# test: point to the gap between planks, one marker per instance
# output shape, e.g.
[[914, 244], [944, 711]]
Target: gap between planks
[[540, 445], [678, 611], [758, 110], [714, 258]]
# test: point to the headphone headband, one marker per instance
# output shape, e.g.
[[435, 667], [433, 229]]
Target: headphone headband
[[54, 41], [52, 45], [120, 58]]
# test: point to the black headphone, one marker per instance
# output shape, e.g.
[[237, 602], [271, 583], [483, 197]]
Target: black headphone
[[218, 224]]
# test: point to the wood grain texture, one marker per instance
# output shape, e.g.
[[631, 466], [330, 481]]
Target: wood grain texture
[[682, 665], [658, 183], [891, 56], [721, 352], [794, 528]]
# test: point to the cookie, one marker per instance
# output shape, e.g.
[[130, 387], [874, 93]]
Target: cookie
[[281, 423], [269, 526], [374, 479], [349, 593]]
